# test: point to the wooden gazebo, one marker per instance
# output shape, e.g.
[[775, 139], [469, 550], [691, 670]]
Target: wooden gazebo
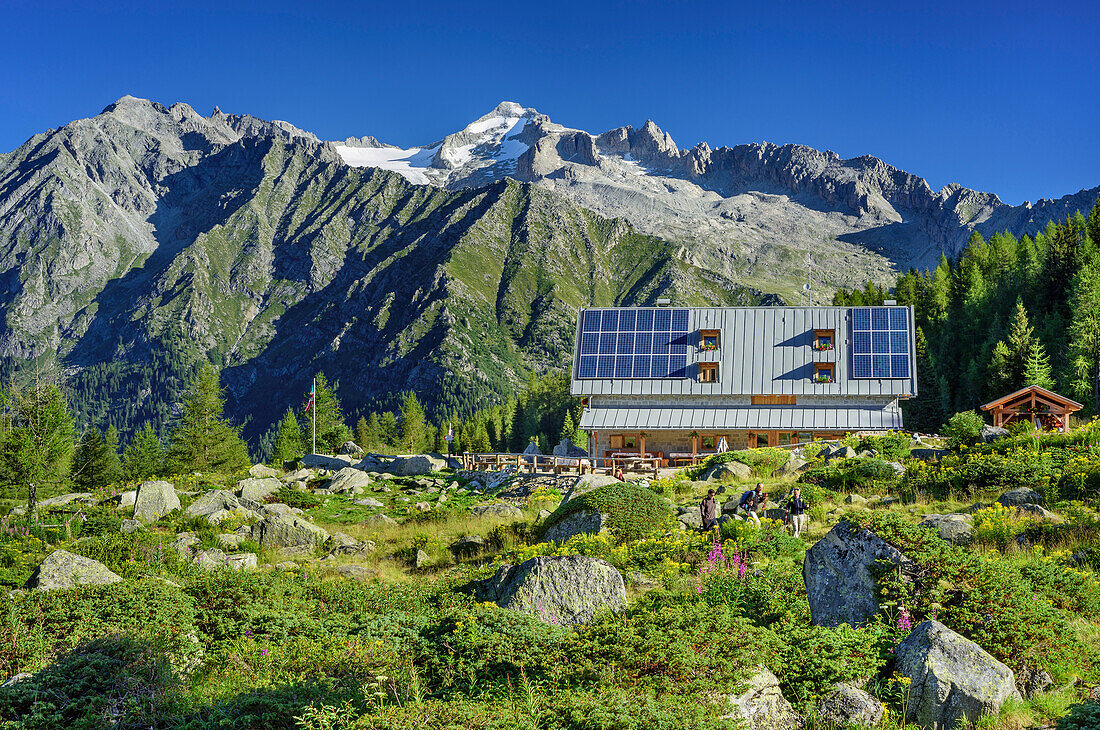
[[1045, 409]]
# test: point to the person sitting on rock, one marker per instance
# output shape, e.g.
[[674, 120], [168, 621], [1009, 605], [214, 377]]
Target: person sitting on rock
[[708, 510], [796, 508]]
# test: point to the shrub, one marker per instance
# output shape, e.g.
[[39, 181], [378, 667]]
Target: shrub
[[890, 445], [1085, 716], [108, 682], [986, 600], [294, 498], [849, 475], [633, 512], [762, 461], [101, 521], [963, 428]]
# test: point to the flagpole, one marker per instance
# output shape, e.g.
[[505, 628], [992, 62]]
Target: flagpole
[[315, 415]]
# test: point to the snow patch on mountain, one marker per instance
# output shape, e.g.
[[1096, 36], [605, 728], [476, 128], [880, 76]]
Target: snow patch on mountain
[[412, 164]]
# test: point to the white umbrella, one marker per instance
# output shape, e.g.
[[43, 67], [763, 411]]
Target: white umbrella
[[722, 445]]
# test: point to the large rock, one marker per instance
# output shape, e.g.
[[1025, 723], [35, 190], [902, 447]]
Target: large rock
[[282, 529], [558, 590], [219, 504], [726, 472], [837, 573], [841, 452], [347, 480], [846, 705], [952, 678], [155, 500], [929, 454], [332, 463], [498, 511], [350, 448], [258, 490], [568, 449], [420, 464], [380, 520], [62, 569], [216, 559], [993, 433], [582, 522], [762, 705], [467, 546], [1020, 496], [793, 466], [956, 529], [262, 471]]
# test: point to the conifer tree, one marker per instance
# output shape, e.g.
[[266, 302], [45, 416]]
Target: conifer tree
[[567, 428], [1037, 368], [363, 435], [95, 462], [143, 457], [288, 440], [332, 432], [37, 449], [412, 424], [1084, 337], [388, 429], [204, 441]]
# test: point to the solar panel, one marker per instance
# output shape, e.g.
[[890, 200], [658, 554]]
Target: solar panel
[[880, 342], [634, 343]]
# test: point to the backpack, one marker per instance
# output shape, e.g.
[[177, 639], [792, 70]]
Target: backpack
[[751, 494]]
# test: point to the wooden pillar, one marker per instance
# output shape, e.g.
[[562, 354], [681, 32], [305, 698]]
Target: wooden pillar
[[694, 442], [641, 444]]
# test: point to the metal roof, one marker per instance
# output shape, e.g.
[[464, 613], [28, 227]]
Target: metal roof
[[763, 351], [872, 417]]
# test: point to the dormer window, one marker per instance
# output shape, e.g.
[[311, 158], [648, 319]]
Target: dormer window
[[709, 340], [824, 339], [708, 372], [823, 372]]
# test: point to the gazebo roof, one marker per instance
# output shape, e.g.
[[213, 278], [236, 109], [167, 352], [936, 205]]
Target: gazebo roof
[[1049, 397]]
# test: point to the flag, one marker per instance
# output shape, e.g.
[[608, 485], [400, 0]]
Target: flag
[[450, 434], [312, 397]]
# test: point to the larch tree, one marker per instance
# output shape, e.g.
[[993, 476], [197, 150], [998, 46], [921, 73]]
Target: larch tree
[[412, 424], [143, 457], [1084, 337], [37, 449], [332, 432], [288, 440], [204, 440]]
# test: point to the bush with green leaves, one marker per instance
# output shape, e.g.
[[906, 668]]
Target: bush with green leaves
[[763, 462], [962, 429], [1085, 716], [849, 475], [891, 445], [985, 599], [633, 512], [294, 498], [92, 686]]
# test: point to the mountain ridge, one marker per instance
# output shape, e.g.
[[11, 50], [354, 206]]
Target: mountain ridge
[[148, 238]]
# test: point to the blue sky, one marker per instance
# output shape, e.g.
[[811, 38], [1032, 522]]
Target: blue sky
[[998, 96]]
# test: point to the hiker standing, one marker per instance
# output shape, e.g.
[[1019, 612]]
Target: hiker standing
[[796, 508], [708, 510]]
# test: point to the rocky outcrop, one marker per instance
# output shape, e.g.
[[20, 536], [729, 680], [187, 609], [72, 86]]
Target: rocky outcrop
[[953, 679], [845, 706], [990, 434], [281, 528], [1019, 497], [582, 522], [262, 471], [62, 569], [155, 500], [258, 490], [728, 471], [762, 705], [837, 573], [558, 590], [348, 479], [956, 529], [418, 465], [570, 450], [332, 463], [59, 501]]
